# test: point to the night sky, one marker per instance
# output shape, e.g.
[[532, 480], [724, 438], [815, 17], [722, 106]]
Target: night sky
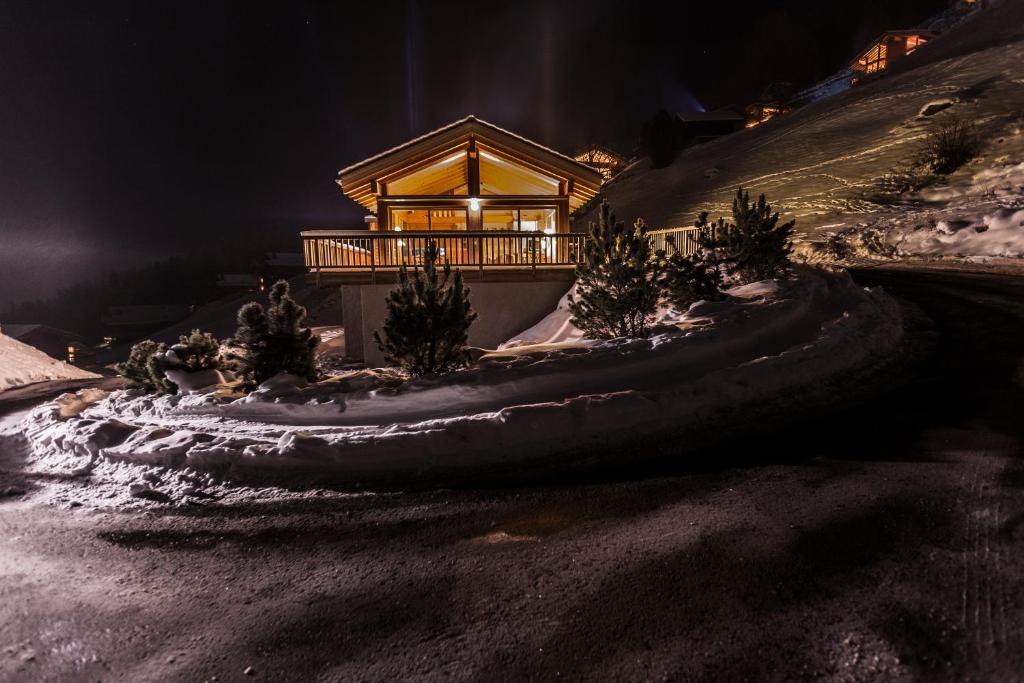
[[133, 130]]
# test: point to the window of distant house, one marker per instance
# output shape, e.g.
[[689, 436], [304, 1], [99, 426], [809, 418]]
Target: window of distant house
[[874, 60], [913, 42]]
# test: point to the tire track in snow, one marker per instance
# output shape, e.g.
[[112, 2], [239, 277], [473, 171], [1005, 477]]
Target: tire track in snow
[[983, 596]]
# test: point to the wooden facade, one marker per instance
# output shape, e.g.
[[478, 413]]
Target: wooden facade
[[463, 176], [487, 197]]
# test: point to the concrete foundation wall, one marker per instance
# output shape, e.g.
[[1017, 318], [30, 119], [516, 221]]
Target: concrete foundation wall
[[503, 309]]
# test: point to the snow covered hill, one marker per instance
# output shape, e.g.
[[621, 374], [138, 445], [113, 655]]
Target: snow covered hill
[[828, 163], [23, 364]]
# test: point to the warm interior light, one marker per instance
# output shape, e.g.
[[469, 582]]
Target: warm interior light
[[474, 204]]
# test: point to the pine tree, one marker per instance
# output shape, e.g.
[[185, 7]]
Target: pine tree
[[694, 277], [136, 370], [755, 247], [197, 351], [617, 280], [426, 329], [273, 340]]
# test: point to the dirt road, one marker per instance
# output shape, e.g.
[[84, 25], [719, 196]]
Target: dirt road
[[883, 543]]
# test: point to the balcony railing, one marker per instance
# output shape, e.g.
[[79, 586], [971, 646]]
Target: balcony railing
[[362, 250]]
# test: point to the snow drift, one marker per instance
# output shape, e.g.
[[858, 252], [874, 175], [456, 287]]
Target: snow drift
[[537, 402], [22, 364]]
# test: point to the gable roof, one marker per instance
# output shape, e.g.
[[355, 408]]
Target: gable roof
[[358, 180]]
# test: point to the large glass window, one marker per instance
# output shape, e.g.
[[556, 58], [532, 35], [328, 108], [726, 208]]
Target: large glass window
[[499, 175], [500, 219], [447, 176], [428, 219], [543, 219], [448, 219], [537, 220], [410, 219]]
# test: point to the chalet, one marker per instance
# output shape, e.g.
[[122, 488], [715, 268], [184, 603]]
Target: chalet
[[496, 204], [888, 48], [603, 159]]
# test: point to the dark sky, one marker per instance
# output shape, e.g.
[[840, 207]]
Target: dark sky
[[137, 129]]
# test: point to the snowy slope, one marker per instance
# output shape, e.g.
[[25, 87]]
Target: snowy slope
[[823, 164], [23, 364]]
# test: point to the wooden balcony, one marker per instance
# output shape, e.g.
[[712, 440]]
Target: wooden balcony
[[357, 256]]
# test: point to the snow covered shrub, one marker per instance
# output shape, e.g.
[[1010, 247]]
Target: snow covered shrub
[[196, 352], [617, 281], [694, 277], [950, 146], [273, 340], [754, 247], [426, 329], [141, 370]]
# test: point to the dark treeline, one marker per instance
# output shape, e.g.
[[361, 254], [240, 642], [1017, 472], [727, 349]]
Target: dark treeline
[[186, 279]]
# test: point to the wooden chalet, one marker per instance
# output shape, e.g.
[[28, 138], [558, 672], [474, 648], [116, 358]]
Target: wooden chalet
[[603, 159], [490, 200], [888, 48], [496, 205]]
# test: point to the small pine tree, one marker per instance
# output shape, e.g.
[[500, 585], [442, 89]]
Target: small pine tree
[[272, 340], [617, 280], [136, 370], [693, 277], [426, 329], [755, 247], [197, 351]]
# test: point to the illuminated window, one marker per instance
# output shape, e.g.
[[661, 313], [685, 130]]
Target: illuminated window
[[874, 60], [544, 219], [448, 219], [447, 176], [422, 220], [913, 42], [410, 219], [500, 176], [500, 219]]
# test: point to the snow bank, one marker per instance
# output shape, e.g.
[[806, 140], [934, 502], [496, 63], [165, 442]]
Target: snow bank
[[22, 364], [526, 404]]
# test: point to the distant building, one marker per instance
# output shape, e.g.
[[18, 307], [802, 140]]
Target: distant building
[[603, 159], [771, 103], [888, 48], [701, 126], [54, 342]]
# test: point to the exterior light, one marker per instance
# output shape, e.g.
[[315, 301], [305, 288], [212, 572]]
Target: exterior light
[[474, 204]]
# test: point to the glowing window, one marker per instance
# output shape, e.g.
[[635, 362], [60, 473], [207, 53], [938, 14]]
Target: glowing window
[[447, 176], [500, 176]]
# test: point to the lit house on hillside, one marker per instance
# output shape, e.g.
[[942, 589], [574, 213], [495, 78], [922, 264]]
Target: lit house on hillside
[[888, 48], [496, 204], [603, 159]]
